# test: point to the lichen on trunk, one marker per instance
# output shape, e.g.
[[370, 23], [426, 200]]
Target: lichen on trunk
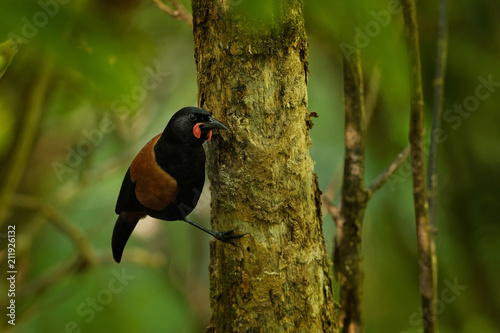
[[252, 75]]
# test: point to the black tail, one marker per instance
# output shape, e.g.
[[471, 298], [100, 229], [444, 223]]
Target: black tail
[[121, 233]]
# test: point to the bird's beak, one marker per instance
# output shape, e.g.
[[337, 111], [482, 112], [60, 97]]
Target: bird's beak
[[212, 124]]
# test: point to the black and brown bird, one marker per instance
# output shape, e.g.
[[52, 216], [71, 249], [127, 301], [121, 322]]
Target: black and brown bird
[[166, 177]]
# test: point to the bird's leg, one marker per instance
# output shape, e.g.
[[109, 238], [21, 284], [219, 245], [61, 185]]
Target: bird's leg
[[226, 237]]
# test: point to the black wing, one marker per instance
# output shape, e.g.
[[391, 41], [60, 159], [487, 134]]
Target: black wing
[[127, 200]]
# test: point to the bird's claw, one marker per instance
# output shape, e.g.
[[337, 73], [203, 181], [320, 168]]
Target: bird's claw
[[228, 236]]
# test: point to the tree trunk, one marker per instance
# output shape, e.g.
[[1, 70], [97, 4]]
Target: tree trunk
[[252, 75]]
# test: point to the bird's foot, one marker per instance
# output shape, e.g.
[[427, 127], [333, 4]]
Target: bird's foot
[[228, 236]]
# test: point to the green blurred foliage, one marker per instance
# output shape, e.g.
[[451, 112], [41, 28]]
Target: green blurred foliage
[[122, 68], [8, 50]]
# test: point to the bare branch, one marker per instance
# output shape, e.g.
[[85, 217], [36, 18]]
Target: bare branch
[[179, 12], [330, 206], [425, 250], [26, 139], [347, 256], [437, 109], [8, 50], [330, 192], [372, 94], [387, 173], [59, 220]]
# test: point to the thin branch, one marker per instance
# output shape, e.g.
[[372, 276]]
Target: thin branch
[[380, 181], [179, 12], [330, 192], [85, 261], [347, 256], [437, 109], [371, 97], [61, 222], [332, 209], [442, 45], [51, 277], [25, 141], [425, 250], [335, 183], [387, 173], [8, 50]]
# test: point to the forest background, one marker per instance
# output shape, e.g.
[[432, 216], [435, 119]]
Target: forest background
[[95, 80]]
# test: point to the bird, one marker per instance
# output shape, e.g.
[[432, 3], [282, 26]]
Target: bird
[[166, 178]]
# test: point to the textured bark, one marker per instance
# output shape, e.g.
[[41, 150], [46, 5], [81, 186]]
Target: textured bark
[[355, 196], [426, 251], [252, 75]]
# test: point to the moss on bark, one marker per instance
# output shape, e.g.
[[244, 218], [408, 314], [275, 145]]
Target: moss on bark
[[253, 78]]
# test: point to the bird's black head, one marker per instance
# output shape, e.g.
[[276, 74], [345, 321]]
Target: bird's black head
[[192, 126]]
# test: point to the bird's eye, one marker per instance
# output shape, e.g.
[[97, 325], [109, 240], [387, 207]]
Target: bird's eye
[[192, 117]]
